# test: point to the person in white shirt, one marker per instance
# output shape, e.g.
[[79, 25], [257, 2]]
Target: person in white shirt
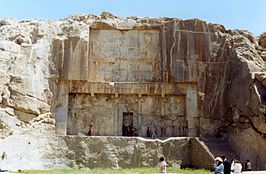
[[236, 167], [248, 165], [162, 166]]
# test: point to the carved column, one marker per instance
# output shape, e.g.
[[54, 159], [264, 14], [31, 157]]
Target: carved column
[[61, 108], [191, 111], [116, 121], [139, 126], [163, 124]]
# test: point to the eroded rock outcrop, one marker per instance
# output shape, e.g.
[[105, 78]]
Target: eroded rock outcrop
[[208, 77], [5, 132]]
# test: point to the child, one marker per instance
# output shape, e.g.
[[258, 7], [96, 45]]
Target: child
[[162, 166]]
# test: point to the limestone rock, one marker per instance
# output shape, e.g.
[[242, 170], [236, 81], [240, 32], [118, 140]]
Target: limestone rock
[[8, 21], [263, 55], [43, 118], [180, 77], [4, 131], [262, 40]]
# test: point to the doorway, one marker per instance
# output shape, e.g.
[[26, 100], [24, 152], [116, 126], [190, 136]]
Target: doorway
[[127, 128]]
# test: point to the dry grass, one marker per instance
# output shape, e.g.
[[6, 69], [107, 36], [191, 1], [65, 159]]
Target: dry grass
[[140, 170]]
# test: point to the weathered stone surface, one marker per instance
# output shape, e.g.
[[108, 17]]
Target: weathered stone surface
[[52, 151], [199, 151], [4, 131], [8, 21], [129, 152], [262, 40], [108, 121], [182, 77]]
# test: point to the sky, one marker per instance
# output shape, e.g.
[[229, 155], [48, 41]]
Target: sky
[[233, 14]]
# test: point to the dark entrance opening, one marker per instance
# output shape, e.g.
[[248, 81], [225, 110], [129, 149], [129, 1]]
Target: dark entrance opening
[[127, 129]]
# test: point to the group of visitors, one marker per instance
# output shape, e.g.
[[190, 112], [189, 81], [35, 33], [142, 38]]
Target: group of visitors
[[223, 166], [129, 131]]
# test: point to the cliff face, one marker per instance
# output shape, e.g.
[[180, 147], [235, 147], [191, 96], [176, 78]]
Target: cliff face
[[228, 68], [209, 78]]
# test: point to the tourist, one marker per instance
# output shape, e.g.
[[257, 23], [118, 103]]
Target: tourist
[[248, 166], [135, 132], [148, 132], [162, 165], [227, 165], [218, 166], [125, 130], [3, 158], [130, 130], [90, 131], [153, 133], [236, 167]]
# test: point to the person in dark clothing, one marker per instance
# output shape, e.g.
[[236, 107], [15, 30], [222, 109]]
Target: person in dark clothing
[[130, 130], [90, 131], [227, 165], [148, 132]]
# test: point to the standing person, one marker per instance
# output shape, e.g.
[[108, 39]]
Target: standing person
[[218, 166], [148, 132], [90, 131], [236, 167], [227, 165], [3, 158], [153, 133], [248, 165], [162, 166], [130, 130]]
